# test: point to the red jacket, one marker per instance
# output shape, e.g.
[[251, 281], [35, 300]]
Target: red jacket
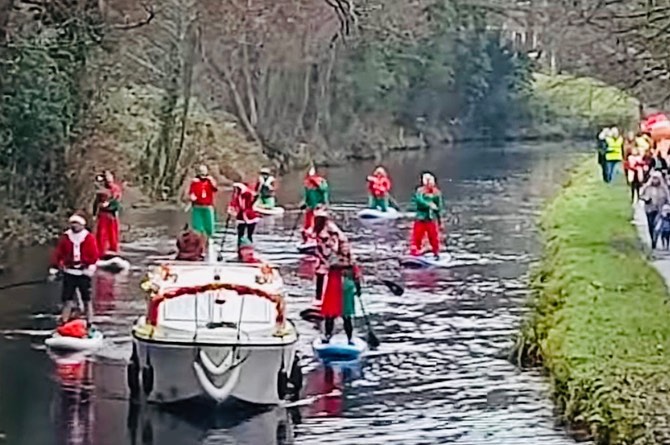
[[242, 206], [64, 255], [379, 186], [203, 190]]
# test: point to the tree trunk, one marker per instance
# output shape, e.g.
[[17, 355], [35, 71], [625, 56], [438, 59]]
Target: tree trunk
[[251, 96], [5, 9]]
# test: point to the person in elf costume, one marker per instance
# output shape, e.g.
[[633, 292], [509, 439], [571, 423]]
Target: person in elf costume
[[265, 189], [190, 246], [428, 205], [343, 284], [106, 207], [202, 193], [316, 194], [242, 208], [379, 188], [245, 252], [75, 256]]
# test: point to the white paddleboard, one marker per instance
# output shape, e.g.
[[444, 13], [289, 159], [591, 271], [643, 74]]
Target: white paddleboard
[[308, 247], [61, 343], [115, 264], [265, 211], [426, 260], [339, 349], [376, 214]]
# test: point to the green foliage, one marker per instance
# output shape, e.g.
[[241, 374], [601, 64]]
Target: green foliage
[[578, 106], [459, 71], [40, 104], [599, 321]]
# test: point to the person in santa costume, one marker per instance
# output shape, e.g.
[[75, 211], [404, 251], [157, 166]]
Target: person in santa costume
[[379, 188], [428, 205], [246, 253], [241, 207], [106, 208], [202, 193], [343, 276], [316, 194], [75, 256], [266, 189]]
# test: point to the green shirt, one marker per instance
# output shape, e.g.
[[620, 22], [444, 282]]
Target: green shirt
[[421, 205], [316, 195]]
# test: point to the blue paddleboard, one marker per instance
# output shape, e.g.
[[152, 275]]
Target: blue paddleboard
[[339, 350], [426, 260]]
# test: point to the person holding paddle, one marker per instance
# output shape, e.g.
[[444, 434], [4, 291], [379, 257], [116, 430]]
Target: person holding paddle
[[316, 194], [201, 193], [379, 188], [343, 284], [428, 204], [242, 208], [266, 188], [75, 256], [106, 208]]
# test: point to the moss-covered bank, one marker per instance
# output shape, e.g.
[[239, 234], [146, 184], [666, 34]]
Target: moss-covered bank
[[600, 322]]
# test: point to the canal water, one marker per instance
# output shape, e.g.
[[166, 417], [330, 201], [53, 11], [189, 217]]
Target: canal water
[[440, 376]]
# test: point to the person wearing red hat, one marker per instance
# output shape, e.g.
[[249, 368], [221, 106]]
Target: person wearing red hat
[[316, 194], [242, 208], [75, 256], [106, 208], [428, 204], [343, 283], [190, 245]]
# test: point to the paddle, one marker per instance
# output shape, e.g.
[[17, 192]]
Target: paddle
[[372, 339], [219, 256], [394, 203], [295, 224], [395, 288]]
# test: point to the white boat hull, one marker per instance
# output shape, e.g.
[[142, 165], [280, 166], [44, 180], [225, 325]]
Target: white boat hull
[[246, 373]]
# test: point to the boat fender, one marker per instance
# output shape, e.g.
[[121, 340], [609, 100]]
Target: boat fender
[[148, 377], [295, 378], [133, 374], [282, 380]]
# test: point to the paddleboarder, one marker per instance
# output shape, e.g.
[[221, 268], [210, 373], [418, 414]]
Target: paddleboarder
[[246, 253], [202, 193], [75, 256], [106, 208], [379, 188], [428, 204], [334, 254], [316, 194], [265, 189], [241, 207]]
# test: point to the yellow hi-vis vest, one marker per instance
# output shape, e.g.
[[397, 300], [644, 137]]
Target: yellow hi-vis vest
[[614, 149]]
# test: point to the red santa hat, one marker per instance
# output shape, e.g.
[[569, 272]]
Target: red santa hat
[[78, 219]]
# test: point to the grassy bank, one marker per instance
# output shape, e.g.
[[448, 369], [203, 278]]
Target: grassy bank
[[600, 322]]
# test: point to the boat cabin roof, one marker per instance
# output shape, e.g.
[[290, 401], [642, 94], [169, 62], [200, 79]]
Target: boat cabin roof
[[187, 274]]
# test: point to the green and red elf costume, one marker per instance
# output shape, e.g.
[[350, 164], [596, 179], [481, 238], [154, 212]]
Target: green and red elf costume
[[202, 193], [428, 204], [379, 188], [316, 194], [343, 275]]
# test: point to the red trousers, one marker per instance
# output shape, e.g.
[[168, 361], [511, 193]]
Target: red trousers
[[107, 233], [420, 230], [308, 224]]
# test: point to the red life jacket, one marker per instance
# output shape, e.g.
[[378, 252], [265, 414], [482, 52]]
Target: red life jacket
[[379, 186], [73, 328]]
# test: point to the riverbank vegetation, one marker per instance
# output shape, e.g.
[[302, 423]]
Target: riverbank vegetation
[[599, 317]]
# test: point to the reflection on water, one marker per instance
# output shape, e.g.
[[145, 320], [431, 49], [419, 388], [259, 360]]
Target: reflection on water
[[440, 376]]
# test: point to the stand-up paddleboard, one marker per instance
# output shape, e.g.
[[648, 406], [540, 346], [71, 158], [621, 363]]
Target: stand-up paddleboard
[[339, 349], [426, 260], [266, 211], [307, 247], [113, 264], [376, 214], [58, 342]]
